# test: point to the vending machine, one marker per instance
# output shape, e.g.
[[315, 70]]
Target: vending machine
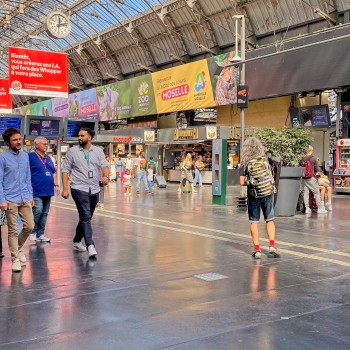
[[341, 174]]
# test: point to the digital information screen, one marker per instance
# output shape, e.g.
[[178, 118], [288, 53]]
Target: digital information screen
[[73, 127], [6, 123], [315, 116], [44, 127]]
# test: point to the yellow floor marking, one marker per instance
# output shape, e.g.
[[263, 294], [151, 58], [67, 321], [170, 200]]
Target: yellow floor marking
[[98, 213], [288, 244]]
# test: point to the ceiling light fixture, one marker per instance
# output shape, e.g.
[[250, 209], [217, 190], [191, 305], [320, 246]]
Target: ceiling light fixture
[[144, 67]]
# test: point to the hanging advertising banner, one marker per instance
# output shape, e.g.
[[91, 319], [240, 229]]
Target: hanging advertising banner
[[143, 100], [43, 108], [37, 73], [224, 83], [24, 110], [5, 97], [114, 101], [83, 105], [60, 107], [183, 87]]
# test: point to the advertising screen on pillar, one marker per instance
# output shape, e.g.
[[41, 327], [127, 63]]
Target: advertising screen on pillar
[[5, 97], [37, 73]]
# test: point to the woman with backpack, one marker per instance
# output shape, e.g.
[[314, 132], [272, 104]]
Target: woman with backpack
[[255, 173]]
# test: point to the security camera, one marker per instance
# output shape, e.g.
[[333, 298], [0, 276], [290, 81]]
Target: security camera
[[236, 60]]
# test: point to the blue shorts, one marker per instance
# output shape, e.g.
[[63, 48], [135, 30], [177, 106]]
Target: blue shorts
[[266, 204]]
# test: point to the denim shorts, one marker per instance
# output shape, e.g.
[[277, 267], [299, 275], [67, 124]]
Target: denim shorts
[[266, 204]]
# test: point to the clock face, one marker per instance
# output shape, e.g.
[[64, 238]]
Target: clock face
[[58, 25]]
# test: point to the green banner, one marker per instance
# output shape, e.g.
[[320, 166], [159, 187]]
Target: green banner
[[143, 99]]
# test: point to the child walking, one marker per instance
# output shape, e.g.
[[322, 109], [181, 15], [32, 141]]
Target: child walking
[[127, 183], [150, 177]]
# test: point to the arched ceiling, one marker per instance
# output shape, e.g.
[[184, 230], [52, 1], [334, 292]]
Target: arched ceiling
[[114, 39]]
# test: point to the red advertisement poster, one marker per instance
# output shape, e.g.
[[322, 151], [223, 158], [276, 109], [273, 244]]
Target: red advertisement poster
[[37, 73], [5, 97]]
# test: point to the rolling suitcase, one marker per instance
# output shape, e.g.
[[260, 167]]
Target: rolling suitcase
[[160, 181], [185, 188]]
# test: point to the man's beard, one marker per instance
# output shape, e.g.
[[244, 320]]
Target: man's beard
[[82, 143], [16, 148]]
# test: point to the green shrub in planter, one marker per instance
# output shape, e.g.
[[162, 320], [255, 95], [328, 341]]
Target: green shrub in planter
[[291, 144]]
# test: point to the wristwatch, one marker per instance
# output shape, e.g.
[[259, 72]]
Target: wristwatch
[[56, 185]]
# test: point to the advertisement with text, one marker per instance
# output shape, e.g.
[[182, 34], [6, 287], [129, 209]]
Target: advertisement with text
[[114, 100], [37, 73], [184, 87], [83, 105], [5, 97]]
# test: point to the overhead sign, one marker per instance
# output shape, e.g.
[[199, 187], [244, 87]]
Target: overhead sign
[[5, 97], [37, 73], [149, 135], [343, 142], [83, 105], [242, 96], [211, 132], [186, 134], [183, 87], [127, 139]]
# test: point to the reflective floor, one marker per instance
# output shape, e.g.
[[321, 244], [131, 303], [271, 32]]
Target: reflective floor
[[141, 292]]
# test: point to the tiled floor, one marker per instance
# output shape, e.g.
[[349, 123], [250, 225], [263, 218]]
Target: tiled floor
[[141, 293]]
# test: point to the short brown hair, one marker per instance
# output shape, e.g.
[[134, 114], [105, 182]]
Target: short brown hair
[[8, 133]]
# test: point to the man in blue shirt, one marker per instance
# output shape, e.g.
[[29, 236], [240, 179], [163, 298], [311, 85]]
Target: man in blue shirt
[[44, 183], [83, 164], [16, 194]]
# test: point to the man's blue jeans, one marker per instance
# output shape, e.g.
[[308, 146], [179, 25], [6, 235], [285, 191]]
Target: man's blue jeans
[[40, 210], [86, 204], [142, 176]]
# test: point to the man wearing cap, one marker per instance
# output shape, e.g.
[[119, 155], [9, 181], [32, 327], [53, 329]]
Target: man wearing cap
[[83, 164], [311, 184]]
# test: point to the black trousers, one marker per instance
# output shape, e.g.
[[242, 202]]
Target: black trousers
[[86, 204]]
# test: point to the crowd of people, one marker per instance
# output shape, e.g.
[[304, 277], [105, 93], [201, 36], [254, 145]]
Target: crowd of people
[[29, 181]]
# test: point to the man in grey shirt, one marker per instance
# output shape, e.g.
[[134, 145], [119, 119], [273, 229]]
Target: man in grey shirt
[[83, 164]]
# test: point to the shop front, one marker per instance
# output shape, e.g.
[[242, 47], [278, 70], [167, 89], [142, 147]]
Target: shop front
[[198, 141]]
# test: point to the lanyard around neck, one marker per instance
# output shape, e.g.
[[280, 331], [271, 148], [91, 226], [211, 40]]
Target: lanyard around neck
[[43, 160], [87, 156]]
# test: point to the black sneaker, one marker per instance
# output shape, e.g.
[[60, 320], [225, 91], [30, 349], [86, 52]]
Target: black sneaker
[[257, 254]]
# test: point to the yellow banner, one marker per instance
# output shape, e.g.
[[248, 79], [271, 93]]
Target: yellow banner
[[183, 88]]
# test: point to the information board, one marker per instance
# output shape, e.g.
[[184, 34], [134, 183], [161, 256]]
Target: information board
[[73, 127], [48, 127], [10, 122]]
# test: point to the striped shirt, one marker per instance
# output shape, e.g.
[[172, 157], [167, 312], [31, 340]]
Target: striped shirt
[[76, 165]]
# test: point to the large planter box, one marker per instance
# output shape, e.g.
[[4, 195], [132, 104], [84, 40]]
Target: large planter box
[[288, 191]]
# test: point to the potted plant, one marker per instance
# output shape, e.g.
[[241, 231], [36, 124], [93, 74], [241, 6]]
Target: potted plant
[[291, 145]]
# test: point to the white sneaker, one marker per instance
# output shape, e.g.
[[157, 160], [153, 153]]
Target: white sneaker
[[322, 211], [21, 256], [32, 237], [43, 238], [16, 266], [329, 206], [307, 211], [79, 246], [92, 251]]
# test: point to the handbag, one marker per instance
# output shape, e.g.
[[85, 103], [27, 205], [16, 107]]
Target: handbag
[[3, 220]]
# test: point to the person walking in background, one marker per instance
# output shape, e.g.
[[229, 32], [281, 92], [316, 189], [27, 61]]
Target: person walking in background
[[141, 173], [150, 176], [45, 185], [83, 164], [256, 174], [325, 186], [309, 182], [113, 169], [16, 194], [198, 167], [155, 164], [119, 168], [186, 174], [127, 183]]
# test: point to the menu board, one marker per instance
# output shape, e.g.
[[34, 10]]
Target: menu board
[[73, 127], [44, 127], [10, 122]]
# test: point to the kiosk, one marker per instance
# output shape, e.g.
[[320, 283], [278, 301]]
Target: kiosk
[[48, 127]]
